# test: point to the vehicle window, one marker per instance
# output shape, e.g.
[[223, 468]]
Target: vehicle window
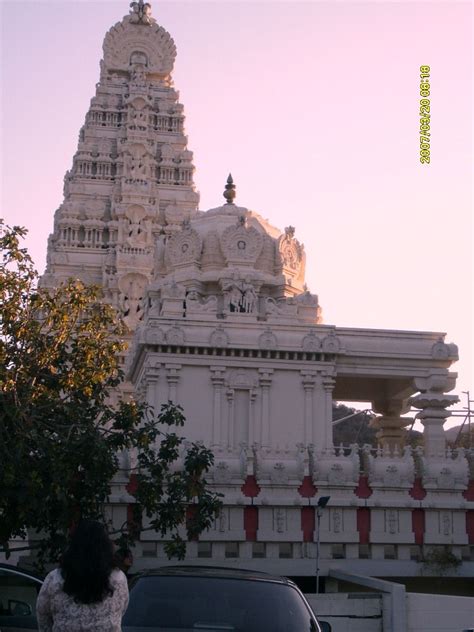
[[202, 603], [18, 596]]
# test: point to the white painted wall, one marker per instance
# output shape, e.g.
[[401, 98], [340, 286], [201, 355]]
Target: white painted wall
[[362, 614], [439, 613]]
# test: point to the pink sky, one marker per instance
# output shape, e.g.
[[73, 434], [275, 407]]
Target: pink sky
[[313, 106]]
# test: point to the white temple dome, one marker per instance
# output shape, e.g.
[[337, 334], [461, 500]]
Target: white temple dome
[[230, 252]]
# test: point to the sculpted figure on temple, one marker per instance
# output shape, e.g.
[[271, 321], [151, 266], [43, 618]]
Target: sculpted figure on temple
[[138, 119], [233, 297], [136, 233], [138, 76], [250, 298], [194, 303]]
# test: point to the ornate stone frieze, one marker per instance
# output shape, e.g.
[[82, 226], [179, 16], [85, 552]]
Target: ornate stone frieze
[[331, 344], [268, 340], [128, 42], [219, 338], [448, 471], [154, 335], [332, 467], [311, 342], [175, 336], [389, 469], [278, 466], [282, 309], [241, 244], [290, 251], [196, 305], [184, 248]]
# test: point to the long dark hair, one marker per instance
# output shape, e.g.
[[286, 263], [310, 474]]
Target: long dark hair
[[87, 563]]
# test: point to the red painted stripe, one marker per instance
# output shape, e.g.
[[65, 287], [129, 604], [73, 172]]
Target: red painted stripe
[[470, 525], [251, 523], [469, 493], [363, 524], [132, 484], [307, 488], [308, 523], [250, 488], [418, 492], [134, 522], [418, 525], [363, 489]]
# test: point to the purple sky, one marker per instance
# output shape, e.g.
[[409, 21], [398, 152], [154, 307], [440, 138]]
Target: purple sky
[[313, 106]]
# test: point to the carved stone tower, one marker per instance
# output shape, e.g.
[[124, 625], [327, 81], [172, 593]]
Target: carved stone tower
[[132, 175]]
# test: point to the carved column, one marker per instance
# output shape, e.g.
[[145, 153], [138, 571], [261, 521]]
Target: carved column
[[433, 402], [252, 417], [217, 379], [152, 375], [308, 382], [230, 417], [322, 409], [265, 381], [391, 426], [172, 377], [328, 383]]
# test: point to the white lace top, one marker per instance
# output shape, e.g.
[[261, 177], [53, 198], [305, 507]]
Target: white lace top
[[58, 612]]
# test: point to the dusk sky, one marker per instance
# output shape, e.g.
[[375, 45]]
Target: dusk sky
[[314, 108]]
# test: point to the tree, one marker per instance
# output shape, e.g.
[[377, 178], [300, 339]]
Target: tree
[[62, 425]]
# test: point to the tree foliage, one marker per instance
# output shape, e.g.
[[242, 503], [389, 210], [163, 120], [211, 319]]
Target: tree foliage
[[62, 426]]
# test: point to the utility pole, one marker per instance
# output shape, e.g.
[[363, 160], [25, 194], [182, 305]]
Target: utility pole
[[322, 502]]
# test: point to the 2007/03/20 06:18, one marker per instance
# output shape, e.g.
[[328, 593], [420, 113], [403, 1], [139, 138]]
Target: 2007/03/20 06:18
[[425, 116]]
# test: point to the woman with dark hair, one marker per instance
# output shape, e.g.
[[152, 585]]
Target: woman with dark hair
[[87, 592]]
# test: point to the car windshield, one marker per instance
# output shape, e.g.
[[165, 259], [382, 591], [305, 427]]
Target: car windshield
[[211, 604]]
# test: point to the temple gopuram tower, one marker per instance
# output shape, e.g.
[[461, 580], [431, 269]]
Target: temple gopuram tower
[[131, 179]]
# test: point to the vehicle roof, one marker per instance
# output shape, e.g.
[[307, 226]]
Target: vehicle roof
[[21, 571], [214, 572]]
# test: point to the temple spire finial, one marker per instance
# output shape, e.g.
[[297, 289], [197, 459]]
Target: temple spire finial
[[229, 192], [140, 12]]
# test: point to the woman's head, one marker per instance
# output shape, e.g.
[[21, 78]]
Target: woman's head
[[88, 562]]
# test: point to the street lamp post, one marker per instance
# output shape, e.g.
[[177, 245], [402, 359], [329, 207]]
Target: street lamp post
[[322, 502]]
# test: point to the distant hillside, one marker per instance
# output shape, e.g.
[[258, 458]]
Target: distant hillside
[[357, 429], [454, 440]]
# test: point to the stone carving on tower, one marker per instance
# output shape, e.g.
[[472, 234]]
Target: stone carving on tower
[[131, 182]]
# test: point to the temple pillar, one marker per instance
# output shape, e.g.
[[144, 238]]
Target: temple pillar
[[390, 425], [218, 431], [322, 410], [152, 375], [329, 383], [433, 402], [253, 437], [308, 382], [172, 378], [230, 417], [265, 382]]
